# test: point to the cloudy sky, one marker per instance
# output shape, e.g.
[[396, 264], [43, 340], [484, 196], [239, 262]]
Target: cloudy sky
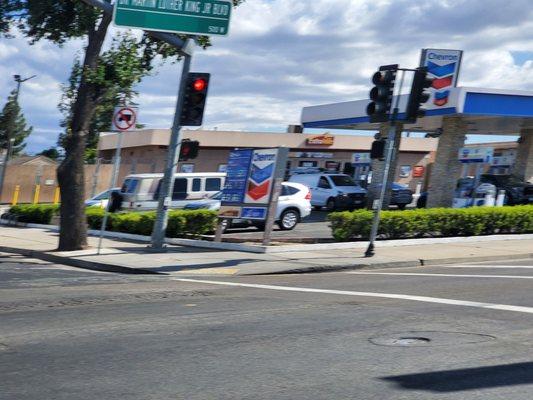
[[282, 55]]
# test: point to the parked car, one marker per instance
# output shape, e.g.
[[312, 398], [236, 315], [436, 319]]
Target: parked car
[[141, 191], [293, 205], [101, 199], [401, 196], [333, 191]]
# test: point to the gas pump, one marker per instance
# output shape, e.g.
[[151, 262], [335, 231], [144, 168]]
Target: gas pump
[[361, 163], [467, 193]]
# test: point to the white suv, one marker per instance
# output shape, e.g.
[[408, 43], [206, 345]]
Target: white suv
[[294, 204]]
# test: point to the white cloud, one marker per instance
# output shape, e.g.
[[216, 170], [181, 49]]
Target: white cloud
[[285, 54]]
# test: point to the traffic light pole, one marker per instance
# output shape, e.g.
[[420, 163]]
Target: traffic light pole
[[167, 183], [394, 125]]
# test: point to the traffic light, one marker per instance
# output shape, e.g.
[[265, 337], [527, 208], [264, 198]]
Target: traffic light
[[189, 149], [419, 95], [381, 95], [377, 151], [194, 99]]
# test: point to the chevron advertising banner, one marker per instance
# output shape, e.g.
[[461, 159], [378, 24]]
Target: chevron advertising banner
[[249, 182], [444, 66]]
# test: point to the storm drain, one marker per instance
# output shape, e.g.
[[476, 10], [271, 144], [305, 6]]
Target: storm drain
[[429, 338]]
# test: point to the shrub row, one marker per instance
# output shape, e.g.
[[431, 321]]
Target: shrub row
[[180, 223], [34, 213], [348, 226]]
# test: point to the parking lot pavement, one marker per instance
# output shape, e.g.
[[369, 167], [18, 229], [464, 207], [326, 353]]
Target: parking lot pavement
[[68, 334], [314, 227]]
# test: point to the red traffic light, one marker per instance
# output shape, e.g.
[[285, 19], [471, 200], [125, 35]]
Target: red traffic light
[[199, 84]]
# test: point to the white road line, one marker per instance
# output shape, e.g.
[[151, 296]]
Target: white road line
[[445, 275], [492, 306], [487, 266]]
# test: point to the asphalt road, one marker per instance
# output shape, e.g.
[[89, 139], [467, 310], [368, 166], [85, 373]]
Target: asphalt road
[[448, 332]]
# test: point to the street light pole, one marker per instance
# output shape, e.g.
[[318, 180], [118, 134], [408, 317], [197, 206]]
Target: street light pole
[[10, 140]]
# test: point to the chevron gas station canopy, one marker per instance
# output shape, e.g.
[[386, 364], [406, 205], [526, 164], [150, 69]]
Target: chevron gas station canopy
[[486, 111]]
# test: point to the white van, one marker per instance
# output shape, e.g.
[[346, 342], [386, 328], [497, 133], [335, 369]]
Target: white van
[[141, 191], [333, 191]]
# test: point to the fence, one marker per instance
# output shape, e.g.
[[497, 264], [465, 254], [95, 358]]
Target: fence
[[38, 184]]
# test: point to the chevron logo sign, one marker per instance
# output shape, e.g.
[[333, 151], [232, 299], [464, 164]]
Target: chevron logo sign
[[261, 178], [443, 65]]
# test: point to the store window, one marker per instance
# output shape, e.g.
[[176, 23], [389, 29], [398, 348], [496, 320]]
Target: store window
[[187, 168], [333, 166], [308, 164], [405, 171]]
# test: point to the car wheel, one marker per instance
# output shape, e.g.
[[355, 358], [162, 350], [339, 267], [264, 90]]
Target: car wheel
[[288, 220], [317, 208], [331, 204], [401, 206]]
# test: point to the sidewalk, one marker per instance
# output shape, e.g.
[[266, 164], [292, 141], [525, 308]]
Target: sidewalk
[[134, 257]]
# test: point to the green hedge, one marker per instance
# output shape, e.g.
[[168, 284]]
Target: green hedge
[[347, 226], [180, 223], [35, 213]]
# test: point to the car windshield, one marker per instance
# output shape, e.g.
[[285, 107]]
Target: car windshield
[[129, 186], [217, 196], [102, 196], [342, 180]]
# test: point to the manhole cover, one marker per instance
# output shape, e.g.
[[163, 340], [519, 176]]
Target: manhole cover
[[429, 338]]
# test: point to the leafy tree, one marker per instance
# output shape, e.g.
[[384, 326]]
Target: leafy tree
[[124, 54], [13, 125], [59, 21]]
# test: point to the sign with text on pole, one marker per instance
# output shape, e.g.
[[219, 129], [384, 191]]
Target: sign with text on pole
[[253, 183], [125, 118], [192, 17]]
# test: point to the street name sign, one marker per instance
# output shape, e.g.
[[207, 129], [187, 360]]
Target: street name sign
[[191, 17]]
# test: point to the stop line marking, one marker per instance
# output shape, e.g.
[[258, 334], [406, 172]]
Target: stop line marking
[[443, 275], [424, 299]]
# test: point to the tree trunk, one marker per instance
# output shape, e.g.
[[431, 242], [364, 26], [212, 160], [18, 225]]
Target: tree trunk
[[70, 173]]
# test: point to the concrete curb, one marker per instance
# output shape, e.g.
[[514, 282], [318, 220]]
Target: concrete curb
[[301, 269], [74, 262]]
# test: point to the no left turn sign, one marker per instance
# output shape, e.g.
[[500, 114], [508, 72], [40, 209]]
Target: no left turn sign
[[124, 118]]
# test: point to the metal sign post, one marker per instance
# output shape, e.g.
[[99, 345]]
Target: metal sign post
[[281, 162], [167, 183], [124, 119], [114, 179]]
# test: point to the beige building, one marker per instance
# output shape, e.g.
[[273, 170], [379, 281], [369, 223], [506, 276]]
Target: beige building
[[341, 153]]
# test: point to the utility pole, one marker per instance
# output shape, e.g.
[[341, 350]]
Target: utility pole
[[10, 140]]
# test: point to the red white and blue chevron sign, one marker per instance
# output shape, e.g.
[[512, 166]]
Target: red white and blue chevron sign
[[443, 66], [261, 178]]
